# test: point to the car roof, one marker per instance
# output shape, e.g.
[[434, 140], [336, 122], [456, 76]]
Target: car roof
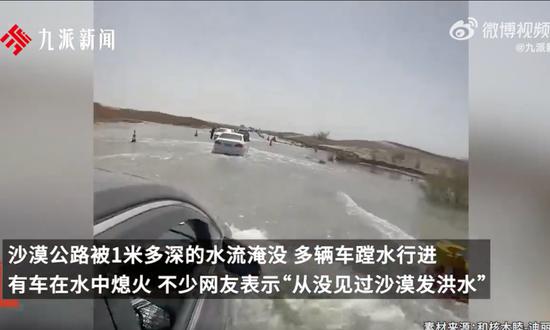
[[233, 133], [117, 192]]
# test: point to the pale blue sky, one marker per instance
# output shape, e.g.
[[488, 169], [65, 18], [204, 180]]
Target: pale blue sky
[[362, 70]]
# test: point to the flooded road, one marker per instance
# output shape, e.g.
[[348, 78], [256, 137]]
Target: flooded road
[[282, 191]]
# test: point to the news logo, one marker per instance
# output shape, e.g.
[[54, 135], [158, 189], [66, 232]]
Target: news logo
[[17, 37], [462, 30]]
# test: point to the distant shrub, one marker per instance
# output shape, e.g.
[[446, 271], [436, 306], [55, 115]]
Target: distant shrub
[[448, 188], [398, 157], [373, 155], [321, 135]]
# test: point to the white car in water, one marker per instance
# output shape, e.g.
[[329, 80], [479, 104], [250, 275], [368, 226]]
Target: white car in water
[[230, 144], [220, 131]]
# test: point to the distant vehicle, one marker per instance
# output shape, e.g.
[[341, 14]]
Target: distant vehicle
[[220, 131], [230, 144], [245, 133], [244, 128]]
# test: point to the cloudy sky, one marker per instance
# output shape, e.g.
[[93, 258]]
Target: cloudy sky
[[362, 70]]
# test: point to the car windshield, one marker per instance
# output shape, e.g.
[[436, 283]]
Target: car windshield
[[230, 136]]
